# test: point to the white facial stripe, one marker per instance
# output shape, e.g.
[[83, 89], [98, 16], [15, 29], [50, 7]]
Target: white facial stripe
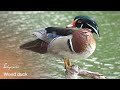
[[81, 26], [94, 29], [71, 45]]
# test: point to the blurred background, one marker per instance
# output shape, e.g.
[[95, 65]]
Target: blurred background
[[16, 28]]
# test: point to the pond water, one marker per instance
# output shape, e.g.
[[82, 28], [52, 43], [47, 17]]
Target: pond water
[[16, 28]]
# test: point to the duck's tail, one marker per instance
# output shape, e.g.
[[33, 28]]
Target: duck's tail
[[46, 34], [42, 35]]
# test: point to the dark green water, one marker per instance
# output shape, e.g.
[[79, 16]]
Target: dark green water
[[16, 28]]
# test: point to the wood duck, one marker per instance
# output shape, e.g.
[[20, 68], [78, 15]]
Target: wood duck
[[74, 41]]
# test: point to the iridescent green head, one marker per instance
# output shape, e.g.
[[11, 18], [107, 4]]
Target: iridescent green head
[[85, 22]]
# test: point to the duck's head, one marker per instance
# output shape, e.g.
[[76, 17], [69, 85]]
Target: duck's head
[[85, 22]]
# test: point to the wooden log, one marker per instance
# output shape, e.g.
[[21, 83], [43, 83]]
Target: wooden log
[[93, 75]]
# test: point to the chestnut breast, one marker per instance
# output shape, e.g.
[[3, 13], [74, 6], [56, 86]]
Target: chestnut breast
[[82, 39]]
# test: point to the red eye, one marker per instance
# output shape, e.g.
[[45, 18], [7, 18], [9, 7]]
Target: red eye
[[79, 21]]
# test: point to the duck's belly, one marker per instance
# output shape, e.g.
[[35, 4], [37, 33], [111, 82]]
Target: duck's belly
[[58, 45], [60, 48]]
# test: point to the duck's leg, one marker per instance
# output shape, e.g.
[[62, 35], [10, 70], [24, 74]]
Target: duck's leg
[[67, 63]]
